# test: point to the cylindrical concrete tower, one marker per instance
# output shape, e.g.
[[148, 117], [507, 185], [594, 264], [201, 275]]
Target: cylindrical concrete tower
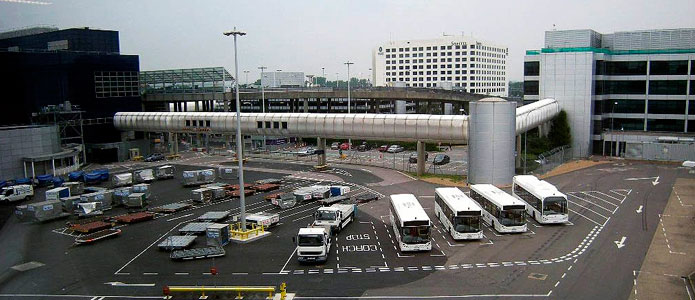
[[491, 131]]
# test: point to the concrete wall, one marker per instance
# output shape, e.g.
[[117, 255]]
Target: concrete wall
[[24, 141]]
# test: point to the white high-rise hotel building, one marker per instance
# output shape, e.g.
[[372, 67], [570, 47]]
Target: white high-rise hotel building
[[456, 62]]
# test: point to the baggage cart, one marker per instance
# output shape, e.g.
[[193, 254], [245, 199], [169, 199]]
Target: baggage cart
[[91, 226], [194, 228], [261, 218], [332, 200], [97, 236], [135, 217], [213, 216], [269, 181], [176, 242], [217, 234], [171, 208], [197, 253], [198, 177], [266, 187]]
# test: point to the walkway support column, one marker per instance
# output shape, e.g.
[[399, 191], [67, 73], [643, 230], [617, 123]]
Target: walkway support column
[[491, 137], [175, 142], [420, 158], [517, 161], [321, 145]]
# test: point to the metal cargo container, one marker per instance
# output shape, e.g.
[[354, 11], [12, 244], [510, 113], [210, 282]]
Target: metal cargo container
[[217, 192], [41, 211], [202, 195], [57, 193], [227, 173], [120, 195], [76, 188], [217, 234], [321, 192], [70, 203], [198, 177], [105, 198], [122, 179], [136, 200], [284, 201], [146, 175], [143, 188], [164, 172]]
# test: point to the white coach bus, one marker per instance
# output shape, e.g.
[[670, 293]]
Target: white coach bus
[[411, 224], [543, 201], [460, 215], [500, 210]]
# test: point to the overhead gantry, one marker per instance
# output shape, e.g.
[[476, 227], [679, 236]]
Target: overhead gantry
[[383, 127]]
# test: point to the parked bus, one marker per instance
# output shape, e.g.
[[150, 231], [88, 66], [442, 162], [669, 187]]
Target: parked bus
[[459, 214], [411, 224], [500, 210], [543, 201]]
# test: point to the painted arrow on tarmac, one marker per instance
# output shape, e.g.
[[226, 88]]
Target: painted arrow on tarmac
[[117, 283], [654, 182], [620, 243], [639, 210]]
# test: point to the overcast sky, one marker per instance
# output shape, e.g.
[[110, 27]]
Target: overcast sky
[[308, 35]]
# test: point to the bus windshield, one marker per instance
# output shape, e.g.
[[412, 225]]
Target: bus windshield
[[467, 224], [554, 206], [512, 217], [416, 234], [325, 215], [310, 240]]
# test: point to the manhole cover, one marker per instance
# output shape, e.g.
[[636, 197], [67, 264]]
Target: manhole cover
[[28, 266], [538, 276]]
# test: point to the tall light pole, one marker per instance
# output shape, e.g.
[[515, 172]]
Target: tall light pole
[[348, 63], [246, 72], [323, 71], [612, 118], [239, 145], [336, 80], [274, 82], [262, 98]]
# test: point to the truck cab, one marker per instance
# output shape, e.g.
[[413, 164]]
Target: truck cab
[[313, 244], [335, 217], [16, 193]]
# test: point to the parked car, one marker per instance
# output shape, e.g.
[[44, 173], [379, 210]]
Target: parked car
[[383, 148], [335, 146], [344, 146], [395, 149], [363, 147], [441, 159], [155, 157], [413, 157], [306, 152]]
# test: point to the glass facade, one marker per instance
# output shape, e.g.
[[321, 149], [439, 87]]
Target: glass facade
[[621, 67], [667, 125], [624, 124], [668, 67], [631, 87], [532, 68], [691, 108], [624, 106], [667, 87], [666, 107], [531, 87]]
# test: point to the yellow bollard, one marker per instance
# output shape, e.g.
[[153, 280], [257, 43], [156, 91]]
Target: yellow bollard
[[283, 291]]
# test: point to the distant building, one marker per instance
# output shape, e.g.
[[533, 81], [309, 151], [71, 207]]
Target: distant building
[[620, 89], [450, 62], [283, 79], [45, 67]]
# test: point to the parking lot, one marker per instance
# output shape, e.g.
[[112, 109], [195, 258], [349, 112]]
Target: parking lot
[[566, 261]]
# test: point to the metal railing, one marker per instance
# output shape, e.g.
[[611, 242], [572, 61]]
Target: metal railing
[[547, 161], [168, 290]]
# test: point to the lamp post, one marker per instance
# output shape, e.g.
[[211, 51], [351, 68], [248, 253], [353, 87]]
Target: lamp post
[[262, 98], [239, 145], [348, 63], [275, 82], [323, 71], [612, 118], [336, 80]]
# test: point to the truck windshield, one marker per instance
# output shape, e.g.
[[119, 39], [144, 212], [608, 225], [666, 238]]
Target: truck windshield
[[6, 192], [467, 224], [310, 240], [416, 234], [512, 217], [325, 215], [554, 206]]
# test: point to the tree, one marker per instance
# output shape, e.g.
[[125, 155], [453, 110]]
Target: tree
[[559, 134]]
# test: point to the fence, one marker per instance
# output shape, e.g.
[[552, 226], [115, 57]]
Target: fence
[[548, 160], [660, 151]]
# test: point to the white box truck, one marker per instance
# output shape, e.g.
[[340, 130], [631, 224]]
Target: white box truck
[[16, 193], [335, 217], [313, 244]]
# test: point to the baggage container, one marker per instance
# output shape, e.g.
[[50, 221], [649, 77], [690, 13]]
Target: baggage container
[[303, 194], [58, 181], [217, 234], [198, 177], [45, 180], [143, 188], [214, 184], [89, 209], [261, 218], [218, 192], [57, 193], [70, 203], [41, 211], [339, 190], [103, 174], [146, 175], [203, 195], [120, 195], [321, 192], [23, 181], [164, 172], [92, 178], [136, 200], [76, 176], [227, 173], [285, 201], [122, 179], [76, 187], [105, 198]]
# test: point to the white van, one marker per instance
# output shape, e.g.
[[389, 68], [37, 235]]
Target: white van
[[16, 192]]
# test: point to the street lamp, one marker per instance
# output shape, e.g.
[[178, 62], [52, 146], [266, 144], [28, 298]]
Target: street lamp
[[323, 71], [336, 80], [239, 145], [612, 118], [262, 98], [348, 63], [246, 72], [275, 82]]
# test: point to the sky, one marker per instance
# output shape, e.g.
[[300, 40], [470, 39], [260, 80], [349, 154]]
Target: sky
[[305, 35]]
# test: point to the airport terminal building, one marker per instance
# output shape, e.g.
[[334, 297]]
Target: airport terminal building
[[623, 92], [450, 62]]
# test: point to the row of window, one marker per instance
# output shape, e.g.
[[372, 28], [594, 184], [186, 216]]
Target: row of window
[[637, 106], [622, 68], [434, 54], [528, 197], [108, 84], [500, 82], [665, 125], [271, 125], [448, 47], [449, 66], [198, 123], [629, 87]]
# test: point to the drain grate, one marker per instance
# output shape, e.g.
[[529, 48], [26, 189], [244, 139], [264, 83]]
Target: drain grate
[[538, 276], [28, 266]]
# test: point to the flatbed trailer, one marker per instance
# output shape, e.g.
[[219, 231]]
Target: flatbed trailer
[[176, 242], [213, 216], [269, 180], [272, 196], [91, 226], [247, 192], [332, 200], [266, 187], [235, 187], [97, 236], [197, 253], [195, 228], [135, 217], [171, 208]]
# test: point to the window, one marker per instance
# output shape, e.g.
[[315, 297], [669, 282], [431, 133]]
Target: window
[[267, 124], [531, 68], [201, 123], [667, 87], [624, 124], [530, 87], [668, 67], [188, 123], [207, 123], [691, 111], [620, 87], [667, 107], [110, 84], [692, 87], [259, 124], [668, 125], [195, 123], [623, 107]]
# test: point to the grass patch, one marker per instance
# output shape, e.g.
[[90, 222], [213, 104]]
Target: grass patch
[[442, 179]]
